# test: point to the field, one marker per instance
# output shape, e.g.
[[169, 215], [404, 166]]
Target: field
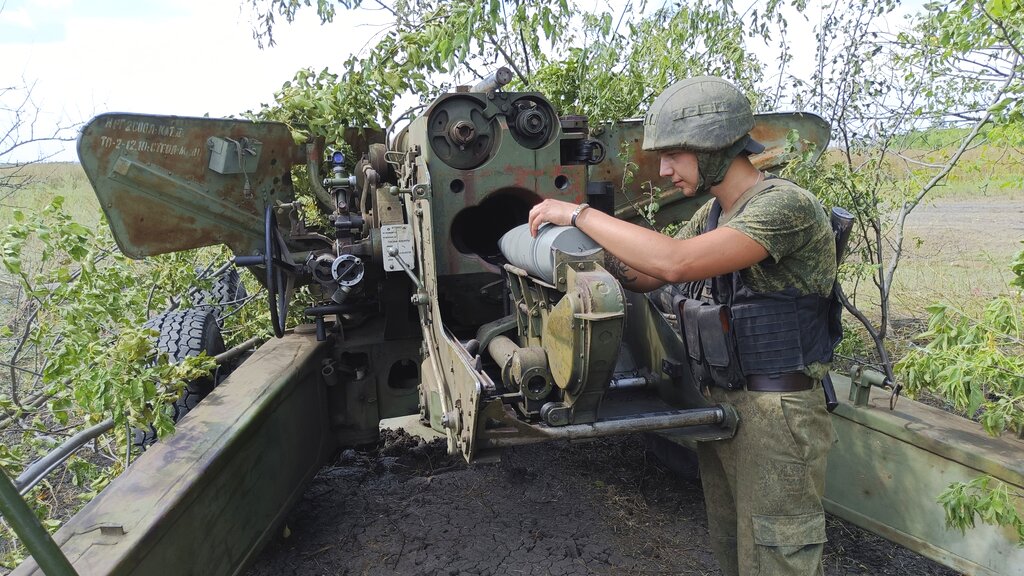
[[958, 247]]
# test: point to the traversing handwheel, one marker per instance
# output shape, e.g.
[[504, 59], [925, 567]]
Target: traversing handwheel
[[279, 271]]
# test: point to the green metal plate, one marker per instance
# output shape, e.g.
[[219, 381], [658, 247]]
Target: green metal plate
[[889, 467], [169, 183]]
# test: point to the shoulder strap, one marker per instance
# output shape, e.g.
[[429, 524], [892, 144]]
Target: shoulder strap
[[713, 216], [724, 287], [770, 181], [716, 208]]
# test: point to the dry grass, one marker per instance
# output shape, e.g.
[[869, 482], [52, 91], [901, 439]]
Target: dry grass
[[44, 182]]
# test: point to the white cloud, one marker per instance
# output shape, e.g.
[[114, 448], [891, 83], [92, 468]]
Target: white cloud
[[19, 18], [200, 58]]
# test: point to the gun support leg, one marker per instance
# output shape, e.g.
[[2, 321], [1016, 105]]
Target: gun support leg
[[43, 549]]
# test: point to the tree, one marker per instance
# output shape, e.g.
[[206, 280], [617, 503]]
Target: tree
[[956, 72], [602, 64], [20, 129]]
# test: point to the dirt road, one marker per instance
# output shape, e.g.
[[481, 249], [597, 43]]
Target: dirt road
[[603, 507]]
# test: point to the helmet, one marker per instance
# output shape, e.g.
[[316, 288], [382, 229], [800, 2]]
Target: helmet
[[706, 115], [703, 114]]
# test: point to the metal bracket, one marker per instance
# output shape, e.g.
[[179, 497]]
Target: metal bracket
[[229, 156], [861, 381]]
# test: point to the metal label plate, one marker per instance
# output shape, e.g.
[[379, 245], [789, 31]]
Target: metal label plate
[[400, 236]]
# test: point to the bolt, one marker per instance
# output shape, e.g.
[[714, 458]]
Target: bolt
[[463, 132]]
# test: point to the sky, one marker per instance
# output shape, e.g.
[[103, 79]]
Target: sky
[[175, 57], [178, 57]]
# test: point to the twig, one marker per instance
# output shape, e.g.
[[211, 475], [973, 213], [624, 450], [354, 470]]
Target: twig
[[511, 62], [19, 368], [883, 353], [14, 356]]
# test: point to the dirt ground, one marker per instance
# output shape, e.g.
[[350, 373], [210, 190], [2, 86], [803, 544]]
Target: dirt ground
[[601, 507]]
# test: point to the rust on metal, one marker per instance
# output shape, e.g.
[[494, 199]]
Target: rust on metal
[[155, 183]]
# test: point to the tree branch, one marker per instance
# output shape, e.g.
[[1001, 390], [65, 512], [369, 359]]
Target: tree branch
[[511, 62], [908, 207]]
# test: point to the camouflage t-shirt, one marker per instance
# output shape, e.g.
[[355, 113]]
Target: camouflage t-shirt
[[790, 223]]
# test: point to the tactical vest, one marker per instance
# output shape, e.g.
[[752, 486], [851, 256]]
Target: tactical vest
[[732, 332]]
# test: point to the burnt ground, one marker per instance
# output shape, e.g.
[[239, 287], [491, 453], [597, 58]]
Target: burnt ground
[[602, 507]]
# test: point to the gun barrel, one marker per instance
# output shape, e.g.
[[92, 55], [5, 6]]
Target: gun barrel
[[499, 78]]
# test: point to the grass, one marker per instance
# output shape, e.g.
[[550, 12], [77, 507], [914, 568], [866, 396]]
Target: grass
[[43, 182]]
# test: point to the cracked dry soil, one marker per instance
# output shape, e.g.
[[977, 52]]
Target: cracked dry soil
[[602, 507]]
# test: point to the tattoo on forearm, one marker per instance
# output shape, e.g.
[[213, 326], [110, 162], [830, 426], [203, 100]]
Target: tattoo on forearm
[[620, 271]]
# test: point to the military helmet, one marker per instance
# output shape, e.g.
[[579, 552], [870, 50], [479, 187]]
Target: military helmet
[[703, 114]]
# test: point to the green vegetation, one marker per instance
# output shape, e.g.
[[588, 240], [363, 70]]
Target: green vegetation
[[936, 111], [975, 360], [73, 349]]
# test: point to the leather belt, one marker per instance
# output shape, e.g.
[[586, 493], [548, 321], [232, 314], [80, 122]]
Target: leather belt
[[788, 382]]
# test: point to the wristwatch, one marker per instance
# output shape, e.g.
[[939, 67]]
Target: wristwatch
[[576, 213]]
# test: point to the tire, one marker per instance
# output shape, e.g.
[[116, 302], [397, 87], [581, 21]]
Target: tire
[[185, 333], [224, 296]]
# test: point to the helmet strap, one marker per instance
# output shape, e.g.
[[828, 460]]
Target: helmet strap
[[712, 166]]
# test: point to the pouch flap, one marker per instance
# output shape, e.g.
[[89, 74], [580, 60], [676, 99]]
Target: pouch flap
[[799, 530]]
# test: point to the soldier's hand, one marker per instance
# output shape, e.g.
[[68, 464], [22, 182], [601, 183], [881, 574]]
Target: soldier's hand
[[554, 211]]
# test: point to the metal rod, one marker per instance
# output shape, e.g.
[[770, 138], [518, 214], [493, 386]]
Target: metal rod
[[628, 382], [31, 532], [237, 350], [499, 78], [501, 349], [40, 468], [614, 427]]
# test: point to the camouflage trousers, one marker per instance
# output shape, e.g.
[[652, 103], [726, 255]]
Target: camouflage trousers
[[763, 487]]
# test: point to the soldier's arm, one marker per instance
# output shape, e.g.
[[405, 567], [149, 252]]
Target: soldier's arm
[[657, 257], [628, 277]]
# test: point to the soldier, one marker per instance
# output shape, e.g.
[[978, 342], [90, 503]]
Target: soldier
[[759, 256]]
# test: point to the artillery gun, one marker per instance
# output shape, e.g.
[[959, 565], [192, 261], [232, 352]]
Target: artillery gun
[[432, 308]]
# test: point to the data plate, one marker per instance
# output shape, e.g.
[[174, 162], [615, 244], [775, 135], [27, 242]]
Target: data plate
[[399, 236]]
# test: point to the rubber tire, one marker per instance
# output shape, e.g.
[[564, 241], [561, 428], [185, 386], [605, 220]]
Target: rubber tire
[[185, 333], [224, 296]]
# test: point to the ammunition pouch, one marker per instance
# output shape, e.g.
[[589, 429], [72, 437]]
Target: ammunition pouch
[[775, 333], [710, 347]]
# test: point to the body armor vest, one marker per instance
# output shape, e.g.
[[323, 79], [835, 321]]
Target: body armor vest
[[731, 332]]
